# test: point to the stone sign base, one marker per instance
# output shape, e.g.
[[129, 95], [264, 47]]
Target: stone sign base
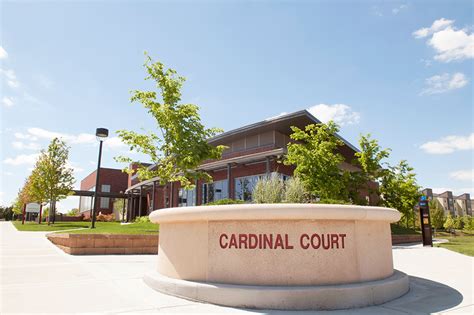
[[318, 297]]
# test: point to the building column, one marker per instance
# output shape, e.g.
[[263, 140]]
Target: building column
[[153, 196], [229, 181], [140, 203], [267, 165]]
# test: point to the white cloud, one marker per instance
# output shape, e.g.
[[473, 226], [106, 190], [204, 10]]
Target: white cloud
[[443, 83], [436, 26], [23, 136], [82, 138], [449, 42], [339, 113], [449, 144], [114, 143], [75, 167], [28, 146], [7, 101], [3, 53], [10, 77], [466, 175], [397, 10], [22, 159]]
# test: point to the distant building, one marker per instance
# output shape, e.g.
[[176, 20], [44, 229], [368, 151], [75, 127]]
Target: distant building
[[455, 205], [110, 181]]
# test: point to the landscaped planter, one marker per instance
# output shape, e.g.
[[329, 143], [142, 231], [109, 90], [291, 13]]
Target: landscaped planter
[[283, 256], [102, 244]]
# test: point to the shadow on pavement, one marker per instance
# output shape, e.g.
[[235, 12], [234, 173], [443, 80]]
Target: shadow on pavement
[[425, 297]]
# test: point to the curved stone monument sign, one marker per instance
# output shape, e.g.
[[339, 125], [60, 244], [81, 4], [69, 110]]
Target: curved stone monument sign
[[278, 256]]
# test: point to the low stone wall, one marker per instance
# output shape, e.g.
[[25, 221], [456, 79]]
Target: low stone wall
[[105, 244], [407, 238]]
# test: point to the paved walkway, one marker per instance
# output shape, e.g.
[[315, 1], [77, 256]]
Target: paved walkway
[[36, 277]]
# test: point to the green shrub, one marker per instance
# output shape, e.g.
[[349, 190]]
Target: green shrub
[[449, 223], [458, 223], [143, 219], [295, 191], [225, 202], [468, 224], [269, 189]]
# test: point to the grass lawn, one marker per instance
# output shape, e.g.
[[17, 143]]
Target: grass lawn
[[101, 227], [462, 244]]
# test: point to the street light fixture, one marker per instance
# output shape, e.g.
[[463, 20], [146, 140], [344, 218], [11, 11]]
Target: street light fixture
[[101, 134]]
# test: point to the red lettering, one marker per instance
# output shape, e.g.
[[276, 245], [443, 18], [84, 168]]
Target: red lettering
[[301, 241], [253, 241], [342, 239], [312, 241], [243, 241], [279, 242], [233, 241], [334, 240], [220, 240], [260, 241], [287, 243], [326, 244], [268, 240]]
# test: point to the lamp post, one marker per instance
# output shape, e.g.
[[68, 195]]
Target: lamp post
[[101, 134]]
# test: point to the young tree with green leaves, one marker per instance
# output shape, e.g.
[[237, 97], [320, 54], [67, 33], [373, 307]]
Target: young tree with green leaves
[[182, 144], [437, 215], [449, 223], [52, 179], [370, 160], [316, 160], [400, 190]]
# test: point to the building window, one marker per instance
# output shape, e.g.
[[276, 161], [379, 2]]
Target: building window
[[105, 201], [244, 186], [214, 191], [86, 203], [186, 198]]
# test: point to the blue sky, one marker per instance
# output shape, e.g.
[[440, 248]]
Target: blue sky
[[400, 70]]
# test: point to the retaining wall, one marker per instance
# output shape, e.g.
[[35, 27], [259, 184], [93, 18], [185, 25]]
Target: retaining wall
[[103, 244]]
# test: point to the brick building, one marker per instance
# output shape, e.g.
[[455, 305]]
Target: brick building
[[253, 152], [457, 206], [110, 181]]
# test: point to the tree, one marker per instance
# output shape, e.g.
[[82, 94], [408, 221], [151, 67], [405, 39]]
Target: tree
[[370, 160], [183, 145], [6, 213], [458, 223], [449, 223], [52, 180], [437, 215], [400, 190], [316, 161], [468, 223]]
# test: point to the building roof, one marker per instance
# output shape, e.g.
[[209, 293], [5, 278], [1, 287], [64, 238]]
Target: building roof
[[281, 123]]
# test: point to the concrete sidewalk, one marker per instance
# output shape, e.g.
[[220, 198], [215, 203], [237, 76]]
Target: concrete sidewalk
[[36, 277]]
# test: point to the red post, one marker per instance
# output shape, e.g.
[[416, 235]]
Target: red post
[[41, 210], [24, 212]]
